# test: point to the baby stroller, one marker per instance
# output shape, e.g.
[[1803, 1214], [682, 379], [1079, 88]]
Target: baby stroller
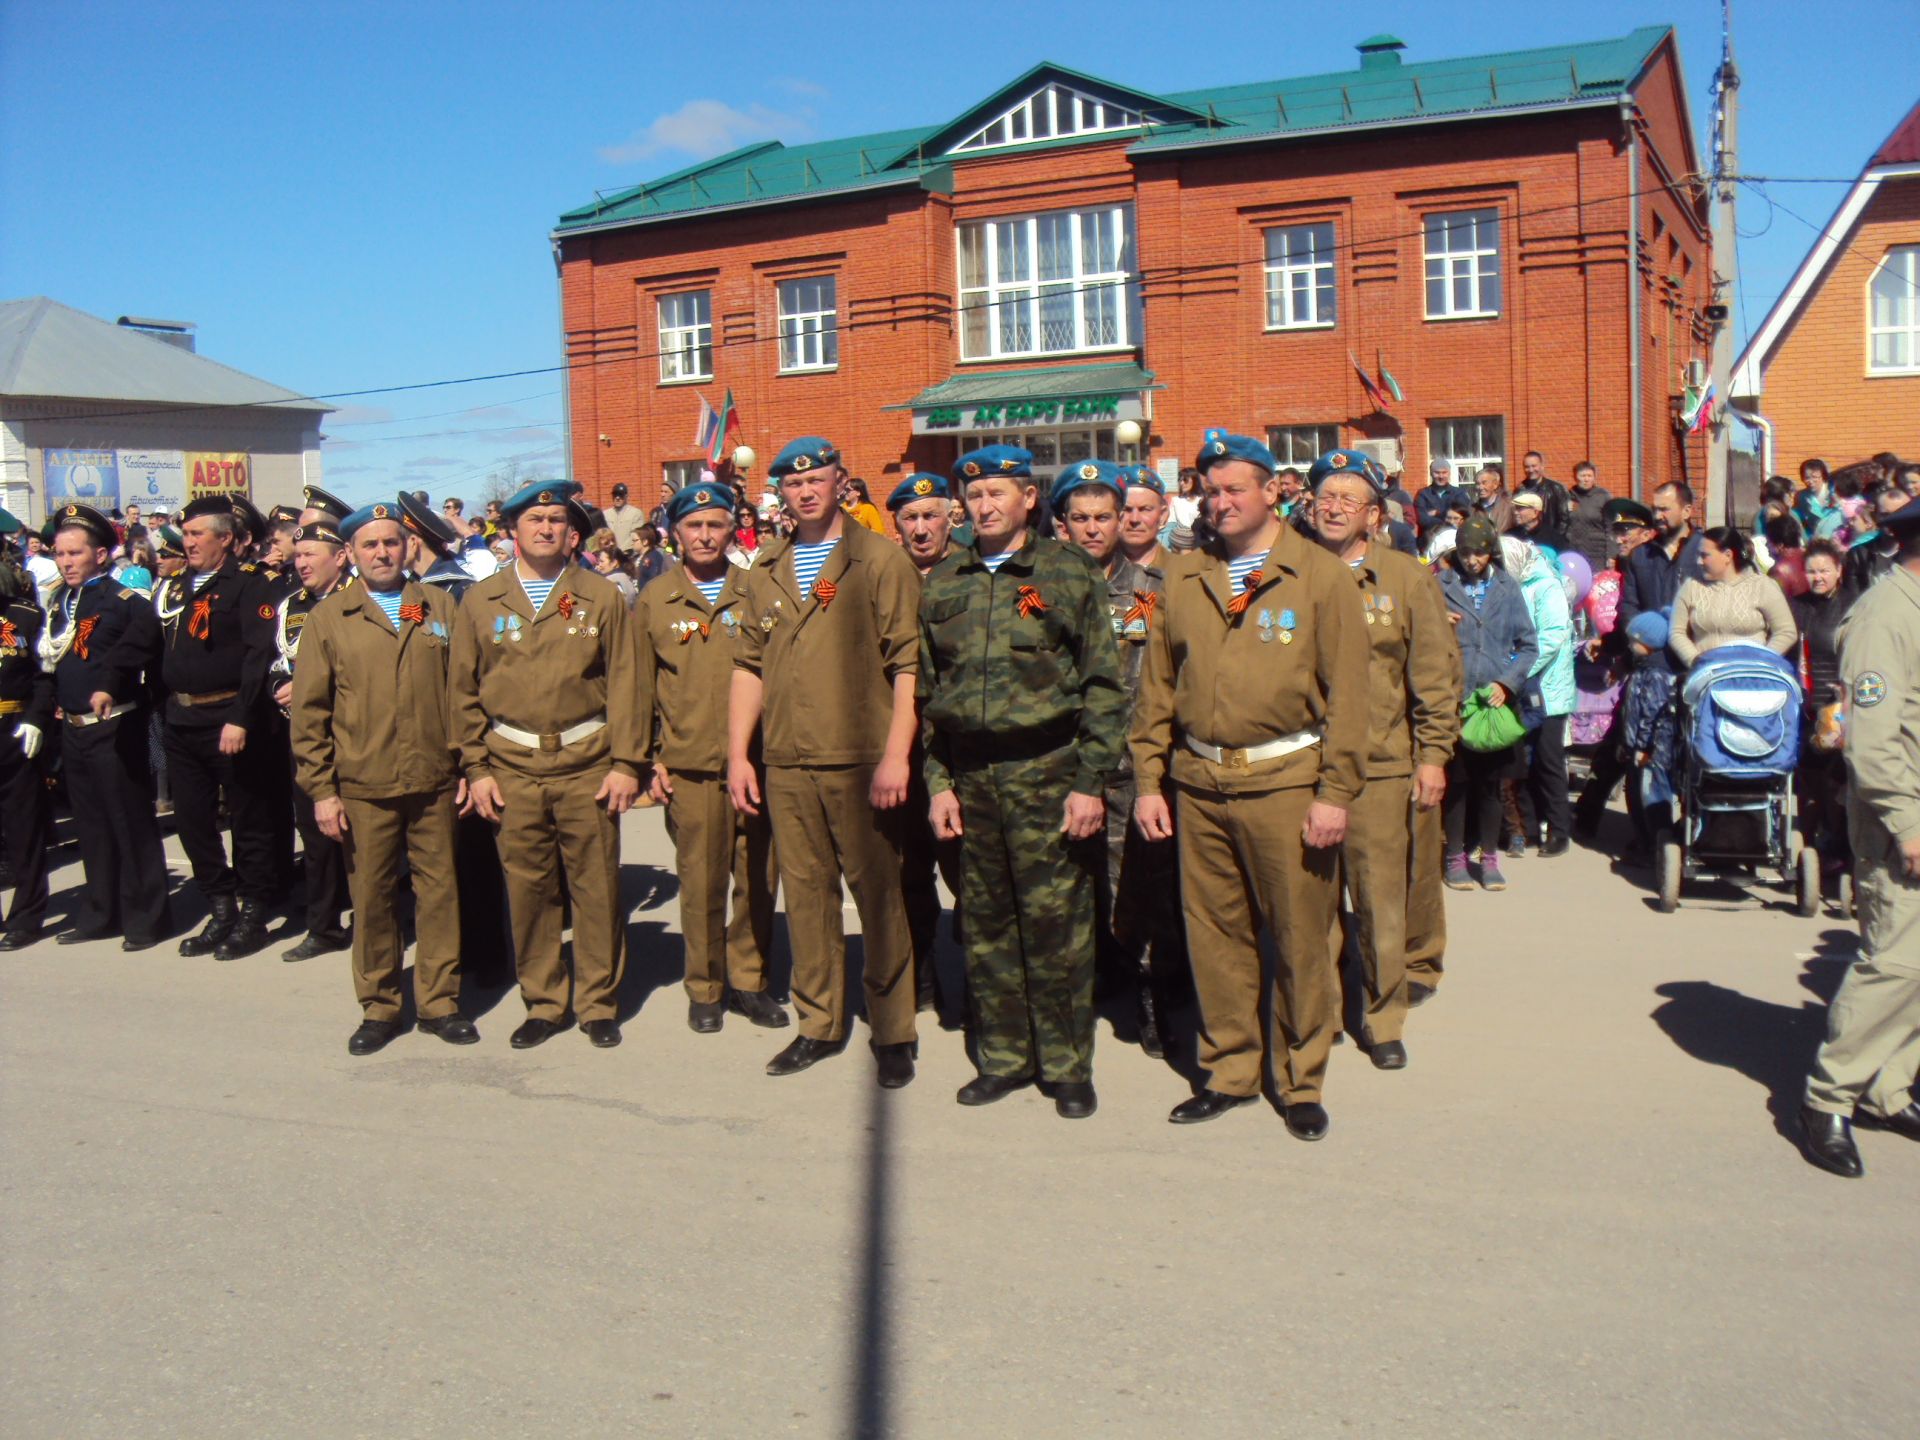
[[1739, 741]]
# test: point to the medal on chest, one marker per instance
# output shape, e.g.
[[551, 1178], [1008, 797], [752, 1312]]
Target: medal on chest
[[507, 627], [1276, 626]]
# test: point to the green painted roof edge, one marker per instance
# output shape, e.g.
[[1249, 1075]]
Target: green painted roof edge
[[604, 203], [991, 377]]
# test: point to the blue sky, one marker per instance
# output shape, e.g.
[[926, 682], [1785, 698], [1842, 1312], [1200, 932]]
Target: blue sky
[[350, 196]]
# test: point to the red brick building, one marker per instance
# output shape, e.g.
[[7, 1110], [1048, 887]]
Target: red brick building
[[1516, 238]]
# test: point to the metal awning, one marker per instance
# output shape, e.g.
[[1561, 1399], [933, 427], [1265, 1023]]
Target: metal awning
[[1014, 387]]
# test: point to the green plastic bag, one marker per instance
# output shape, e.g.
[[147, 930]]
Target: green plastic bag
[[1485, 726]]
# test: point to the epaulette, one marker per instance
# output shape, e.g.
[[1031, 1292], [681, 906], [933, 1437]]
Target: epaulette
[[126, 594], [247, 567]]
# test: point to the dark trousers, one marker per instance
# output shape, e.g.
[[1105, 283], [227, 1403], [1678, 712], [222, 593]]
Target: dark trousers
[[28, 831], [252, 782], [1544, 796], [275, 735], [110, 784], [486, 957], [1472, 808], [325, 867]]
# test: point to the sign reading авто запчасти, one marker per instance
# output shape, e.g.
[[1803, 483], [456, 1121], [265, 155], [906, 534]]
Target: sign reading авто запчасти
[[219, 473]]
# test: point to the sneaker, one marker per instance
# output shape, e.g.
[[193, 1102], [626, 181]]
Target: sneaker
[[1490, 876], [1457, 877], [1517, 848]]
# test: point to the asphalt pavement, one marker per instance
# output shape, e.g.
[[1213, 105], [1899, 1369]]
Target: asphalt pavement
[[1580, 1211]]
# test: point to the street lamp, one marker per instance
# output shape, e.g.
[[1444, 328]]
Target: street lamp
[[1127, 434], [743, 458]]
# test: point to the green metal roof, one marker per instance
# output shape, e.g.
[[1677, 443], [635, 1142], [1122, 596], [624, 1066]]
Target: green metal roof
[[1053, 382], [1370, 95]]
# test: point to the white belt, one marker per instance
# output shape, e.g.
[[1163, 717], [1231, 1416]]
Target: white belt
[[1239, 759], [572, 735], [89, 718]]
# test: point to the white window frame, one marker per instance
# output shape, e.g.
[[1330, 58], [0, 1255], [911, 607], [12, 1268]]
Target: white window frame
[[1305, 254], [1464, 442], [809, 335], [1053, 112], [1281, 440], [1900, 258], [675, 473], [686, 339], [1003, 300], [1477, 262]]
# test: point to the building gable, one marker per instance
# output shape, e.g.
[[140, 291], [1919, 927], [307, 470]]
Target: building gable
[[1049, 102]]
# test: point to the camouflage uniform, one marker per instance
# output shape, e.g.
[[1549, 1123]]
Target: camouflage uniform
[[1023, 702], [1140, 897]]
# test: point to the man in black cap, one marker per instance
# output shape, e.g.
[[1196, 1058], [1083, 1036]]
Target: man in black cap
[[624, 520], [320, 558], [104, 640], [322, 505], [26, 715], [216, 654]]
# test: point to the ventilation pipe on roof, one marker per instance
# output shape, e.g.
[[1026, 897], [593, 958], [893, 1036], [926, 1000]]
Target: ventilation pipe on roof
[[1382, 52], [173, 332]]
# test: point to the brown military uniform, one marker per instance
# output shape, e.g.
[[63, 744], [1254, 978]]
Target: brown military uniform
[[828, 668], [369, 725], [1426, 887], [1292, 663], [1413, 719], [686, 658], [568, 677]]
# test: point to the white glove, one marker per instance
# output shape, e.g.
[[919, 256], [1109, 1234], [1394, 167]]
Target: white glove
[[29, 738]]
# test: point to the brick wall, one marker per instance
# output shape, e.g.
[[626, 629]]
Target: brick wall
[[1816, 389]]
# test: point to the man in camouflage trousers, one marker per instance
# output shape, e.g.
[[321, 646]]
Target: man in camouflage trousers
[[1025, 715], [1140, 897]]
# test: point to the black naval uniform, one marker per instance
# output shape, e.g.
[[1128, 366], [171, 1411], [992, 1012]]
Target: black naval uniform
[[218, 650], [485, 956], [115, 647], [26, 698], [324, 861], [276, 732]]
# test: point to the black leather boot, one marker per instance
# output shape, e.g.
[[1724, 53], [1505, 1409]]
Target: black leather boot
[[219, 925], [1151, 1041], [249, 932]]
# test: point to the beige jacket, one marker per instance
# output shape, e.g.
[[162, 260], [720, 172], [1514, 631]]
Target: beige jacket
[[1748, 609]]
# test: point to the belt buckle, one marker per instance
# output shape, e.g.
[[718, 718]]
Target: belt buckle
[[1233, 759], [550, 744]]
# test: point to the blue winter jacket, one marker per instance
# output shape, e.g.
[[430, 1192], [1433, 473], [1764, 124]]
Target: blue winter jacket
[[1497, 645]]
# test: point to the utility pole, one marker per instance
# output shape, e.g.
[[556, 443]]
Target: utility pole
[[1726, 266]]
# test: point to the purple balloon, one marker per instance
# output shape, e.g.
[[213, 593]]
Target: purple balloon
[[1579, 574]]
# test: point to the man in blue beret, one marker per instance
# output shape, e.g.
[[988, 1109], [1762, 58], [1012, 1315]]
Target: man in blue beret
[[370, 751], [549, 714], [1138, 901], [922, 513], [689, 621], [1253, 717], [1143, 518], [1414, 722], [1025, 715], [824, 676]]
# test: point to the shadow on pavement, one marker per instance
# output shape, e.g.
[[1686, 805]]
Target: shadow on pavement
[[1771, 1044], [870, 1405]]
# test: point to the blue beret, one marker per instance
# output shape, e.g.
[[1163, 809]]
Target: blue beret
[[1344, 462], [1224, 445], [540, 492], [993, 460], [1089, 475], [1145, 477], [378, 510], [701, 495], [918, 486], [809, 452]]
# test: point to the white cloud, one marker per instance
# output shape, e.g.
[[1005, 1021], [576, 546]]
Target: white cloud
[[527, 435], [704, 128], [433, 462], [360, 415], [794, 85]]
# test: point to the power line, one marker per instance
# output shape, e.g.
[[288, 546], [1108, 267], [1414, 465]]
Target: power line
[[1822, 230], [445, 434], [442, 414], [950, 313]]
